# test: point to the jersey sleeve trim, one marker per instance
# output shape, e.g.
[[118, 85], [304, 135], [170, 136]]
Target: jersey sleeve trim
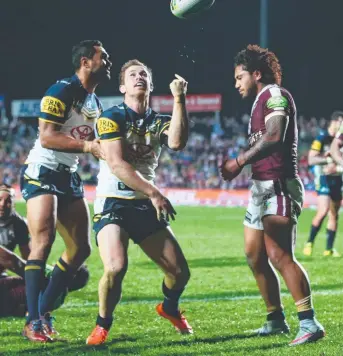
[[111, 139], [164, 127], [276, 113]]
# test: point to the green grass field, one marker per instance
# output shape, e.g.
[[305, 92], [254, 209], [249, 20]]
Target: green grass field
[[221, 300]]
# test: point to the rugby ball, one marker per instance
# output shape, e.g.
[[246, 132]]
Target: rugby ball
[[184, 9]]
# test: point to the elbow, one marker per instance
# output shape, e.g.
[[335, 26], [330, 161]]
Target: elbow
[[176, 146], [277, 142], [44, 141]]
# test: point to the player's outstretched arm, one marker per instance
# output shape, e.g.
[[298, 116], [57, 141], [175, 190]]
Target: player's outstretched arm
[[178, 130], [52, 138], [270, 141], [9, 260], [315, 158], [114, 153], [335, 150]]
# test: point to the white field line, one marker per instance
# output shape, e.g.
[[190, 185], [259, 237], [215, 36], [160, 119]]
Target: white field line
[[206, 299]]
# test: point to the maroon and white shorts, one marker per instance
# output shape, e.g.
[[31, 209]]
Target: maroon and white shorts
[[274, 197]]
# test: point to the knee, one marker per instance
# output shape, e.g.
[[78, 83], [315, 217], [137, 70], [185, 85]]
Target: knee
[[321, 214], [255, 261], [81, 251], [86, 251], [41, 248], [280, 260], [180, 275], [333, 216], [115, 271]]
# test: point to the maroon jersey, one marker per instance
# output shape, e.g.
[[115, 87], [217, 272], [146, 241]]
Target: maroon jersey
[[283, 162]]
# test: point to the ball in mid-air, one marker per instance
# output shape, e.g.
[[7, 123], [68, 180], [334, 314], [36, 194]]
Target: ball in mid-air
[[185, 9]]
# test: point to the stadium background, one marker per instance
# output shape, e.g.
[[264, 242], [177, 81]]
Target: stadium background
[[307, 36]]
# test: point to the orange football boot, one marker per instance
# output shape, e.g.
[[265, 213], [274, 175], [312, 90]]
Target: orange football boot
[[98, 336], [180, 322]]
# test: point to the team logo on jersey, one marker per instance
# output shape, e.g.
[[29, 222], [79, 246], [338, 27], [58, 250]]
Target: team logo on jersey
[[277, 102], [106, 126], [81, 132], [153, 128], [53, 106], [137, 151]]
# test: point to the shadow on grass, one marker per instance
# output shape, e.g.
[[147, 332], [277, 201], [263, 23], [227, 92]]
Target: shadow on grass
[[63, 346], [75, 347], [223, 261]]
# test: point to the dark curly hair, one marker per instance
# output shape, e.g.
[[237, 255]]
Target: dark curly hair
[[254, 58]]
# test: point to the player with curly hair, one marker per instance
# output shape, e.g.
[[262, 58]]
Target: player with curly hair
[[277, 192]]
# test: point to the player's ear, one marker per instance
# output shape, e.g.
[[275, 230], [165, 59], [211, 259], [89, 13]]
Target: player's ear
[[84, 62], [257, 75], [122, 89]]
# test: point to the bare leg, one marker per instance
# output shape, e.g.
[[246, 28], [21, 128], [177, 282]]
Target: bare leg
[[265, 275]]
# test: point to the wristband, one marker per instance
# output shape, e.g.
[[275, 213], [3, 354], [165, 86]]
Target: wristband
[[87, 146], [181, 99], [339, 169], [239, 166], [329, 160]]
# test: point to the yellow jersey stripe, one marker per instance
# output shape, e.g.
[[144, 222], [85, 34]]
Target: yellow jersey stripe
[[34, 182], [32, 267]]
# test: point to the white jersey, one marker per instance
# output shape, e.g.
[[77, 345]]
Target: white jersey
[[68, 104], [143, 140]]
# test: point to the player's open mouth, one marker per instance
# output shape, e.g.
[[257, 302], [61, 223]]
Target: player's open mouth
[[140, 84]]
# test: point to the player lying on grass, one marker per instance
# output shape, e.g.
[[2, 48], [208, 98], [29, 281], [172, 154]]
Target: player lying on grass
[[12, 288]]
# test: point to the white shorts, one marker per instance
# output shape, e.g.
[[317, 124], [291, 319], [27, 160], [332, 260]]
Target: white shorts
[[274, 197]]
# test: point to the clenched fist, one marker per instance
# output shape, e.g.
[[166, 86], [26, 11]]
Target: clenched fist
[[230, 169], [178, 86]]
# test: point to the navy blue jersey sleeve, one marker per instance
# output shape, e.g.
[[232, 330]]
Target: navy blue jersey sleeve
[[21, 231], [111, 125], [56, 103]]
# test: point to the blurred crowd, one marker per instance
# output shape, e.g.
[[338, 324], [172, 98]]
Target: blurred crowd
[[212, 139]]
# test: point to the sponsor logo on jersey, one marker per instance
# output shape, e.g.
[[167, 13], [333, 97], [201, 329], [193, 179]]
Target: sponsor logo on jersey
[[53, 106], [277, 102], [81, 132], [106, 126], [254, 137]]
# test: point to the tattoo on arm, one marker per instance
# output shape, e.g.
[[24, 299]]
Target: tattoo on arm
[[272, 139]]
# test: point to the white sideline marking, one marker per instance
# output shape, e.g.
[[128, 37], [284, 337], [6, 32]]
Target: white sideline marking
[[208, 299]]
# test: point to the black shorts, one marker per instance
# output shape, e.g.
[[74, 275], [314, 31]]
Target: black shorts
[[65, 185], [137, 217], [331, 186]]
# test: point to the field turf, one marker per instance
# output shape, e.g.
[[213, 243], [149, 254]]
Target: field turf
[[221, 300]]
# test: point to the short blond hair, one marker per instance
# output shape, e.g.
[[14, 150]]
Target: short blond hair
[[127, 65]]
